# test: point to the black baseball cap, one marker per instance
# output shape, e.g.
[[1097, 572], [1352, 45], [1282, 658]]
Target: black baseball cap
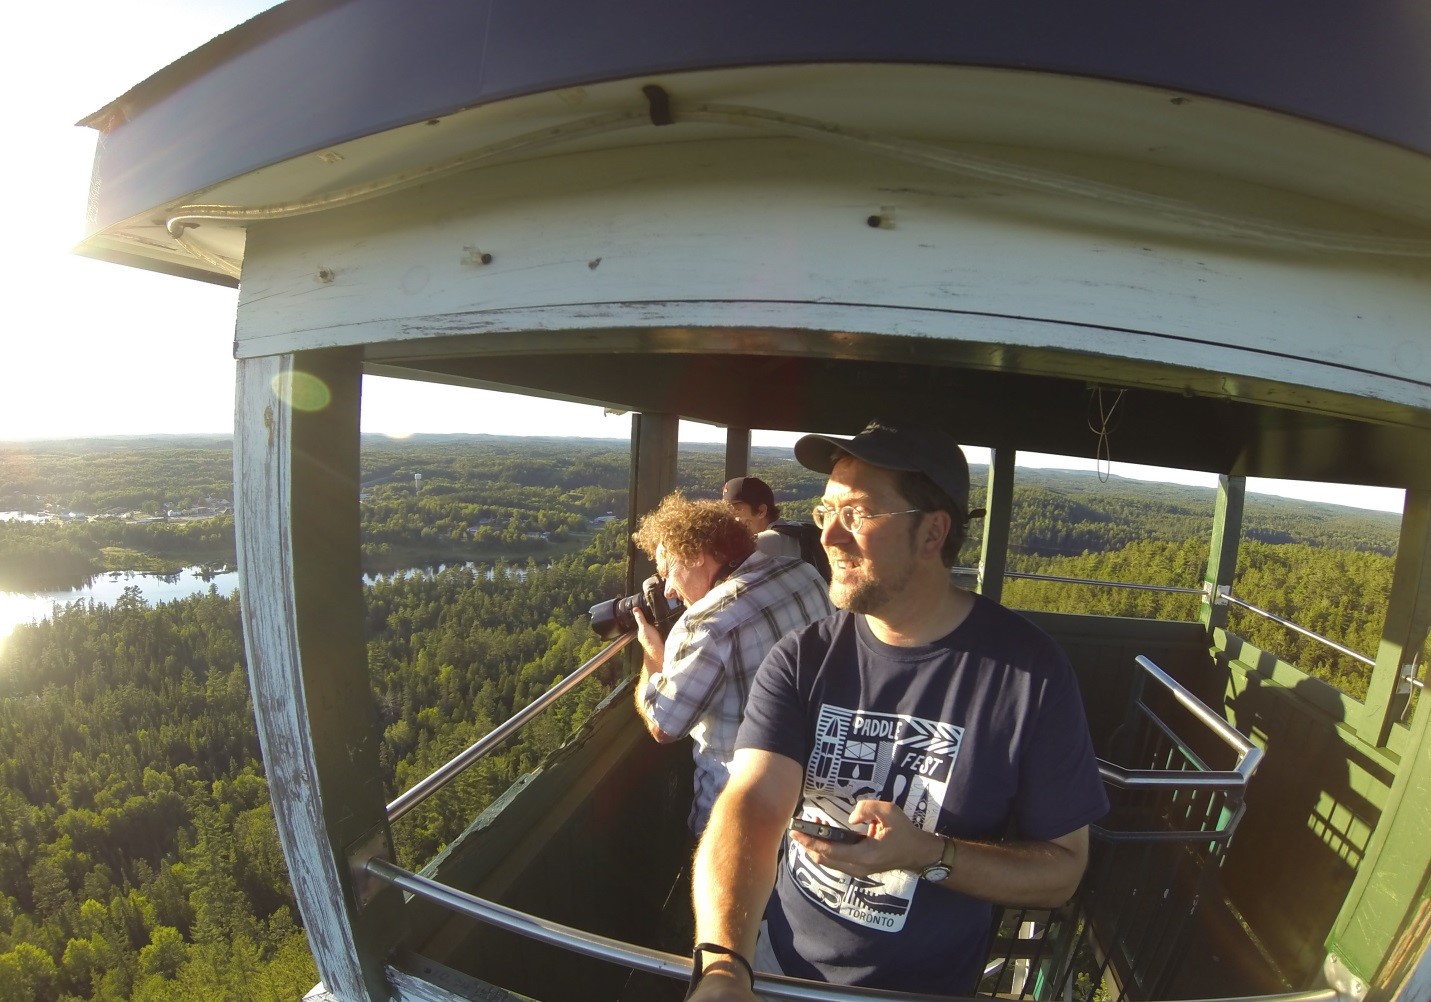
[[896, 447], [752, 490]]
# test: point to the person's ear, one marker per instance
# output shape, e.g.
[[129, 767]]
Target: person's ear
[[936, 528]]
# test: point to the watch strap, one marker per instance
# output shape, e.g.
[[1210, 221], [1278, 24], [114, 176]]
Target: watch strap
[[698, 965], [950, 848], [944, 863]]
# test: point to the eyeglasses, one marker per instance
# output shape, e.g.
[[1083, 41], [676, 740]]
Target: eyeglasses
[[851, 518]]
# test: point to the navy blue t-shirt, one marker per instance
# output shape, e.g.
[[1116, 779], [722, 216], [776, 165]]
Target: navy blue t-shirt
[[980, 735]]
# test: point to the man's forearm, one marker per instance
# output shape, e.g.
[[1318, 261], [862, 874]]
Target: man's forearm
[[1019, 874], [735, 863], [734, 873], [653, 656], [1037, 874], [641, 711]]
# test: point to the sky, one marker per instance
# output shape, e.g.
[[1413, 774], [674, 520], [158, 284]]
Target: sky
[[97, 349]]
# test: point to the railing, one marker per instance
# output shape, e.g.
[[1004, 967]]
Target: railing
[[1172, 818], [1300, 629], [1173, 589], [655, 961], [1222, 597], [1192, 804], [455, 766]]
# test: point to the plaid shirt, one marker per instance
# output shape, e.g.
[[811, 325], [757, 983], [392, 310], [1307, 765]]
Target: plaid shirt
[[712, 654]]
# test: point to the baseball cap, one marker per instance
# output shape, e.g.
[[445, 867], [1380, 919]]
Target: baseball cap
[[752, 490], [896, 447]]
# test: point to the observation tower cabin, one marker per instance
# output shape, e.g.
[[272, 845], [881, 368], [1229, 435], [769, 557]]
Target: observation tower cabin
[[793, 217]]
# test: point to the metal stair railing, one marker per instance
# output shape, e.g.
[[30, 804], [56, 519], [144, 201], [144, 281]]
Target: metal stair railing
[[1151, 858]]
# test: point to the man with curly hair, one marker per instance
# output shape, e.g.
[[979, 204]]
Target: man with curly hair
[[739, 602]]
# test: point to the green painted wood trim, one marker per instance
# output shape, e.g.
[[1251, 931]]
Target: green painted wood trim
[[1408, 614], [1222, 549], [737, 452], [1379, 924], [1272, 668], [999, 506]]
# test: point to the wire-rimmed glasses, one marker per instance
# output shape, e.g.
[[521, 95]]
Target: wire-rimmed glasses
[[851, 517]]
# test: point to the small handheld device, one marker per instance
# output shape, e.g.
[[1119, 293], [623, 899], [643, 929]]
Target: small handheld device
[[830, 833]]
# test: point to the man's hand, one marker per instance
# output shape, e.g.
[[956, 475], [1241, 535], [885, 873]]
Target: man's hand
[[892, 843], [1019, 874], [651, 642]]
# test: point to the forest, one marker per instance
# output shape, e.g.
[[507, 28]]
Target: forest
[[138, 854]]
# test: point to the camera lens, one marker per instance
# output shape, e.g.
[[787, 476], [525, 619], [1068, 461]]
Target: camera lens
[[604, 621], [612, 618]]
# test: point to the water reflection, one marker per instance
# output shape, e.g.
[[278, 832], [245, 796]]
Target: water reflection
[[105, 589], [18, 607]]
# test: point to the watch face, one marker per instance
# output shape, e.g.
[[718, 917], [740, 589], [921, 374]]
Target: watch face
[[936, 872]]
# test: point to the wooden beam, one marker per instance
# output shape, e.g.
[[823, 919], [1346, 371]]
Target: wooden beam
[[998, 506], [297, 523], [737, 452], [1222, 551], [1408, 614], [1385, 920], [655, 439]]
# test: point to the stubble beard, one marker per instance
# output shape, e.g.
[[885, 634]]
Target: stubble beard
[[872, 594]]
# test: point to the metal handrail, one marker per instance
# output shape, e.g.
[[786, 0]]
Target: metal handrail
[[455, 766], [1233, 781], [603, 947], [1154, 779], [1303, 630], [1180, 590], [1248, 754], [669, 965], [1174, 589]]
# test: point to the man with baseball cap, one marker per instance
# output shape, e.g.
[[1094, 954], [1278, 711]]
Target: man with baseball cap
[[943, 728], [754, 504]]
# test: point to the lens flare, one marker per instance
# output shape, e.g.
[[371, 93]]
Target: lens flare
[[302, 391]]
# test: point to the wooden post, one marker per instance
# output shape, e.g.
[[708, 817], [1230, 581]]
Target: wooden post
[[1385, 920], [297, 524], [1408, 613], [999, 507], [737, 452], [655, 439], [1222, 551]]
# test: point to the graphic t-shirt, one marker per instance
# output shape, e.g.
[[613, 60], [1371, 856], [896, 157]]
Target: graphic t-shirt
[[980, 735]]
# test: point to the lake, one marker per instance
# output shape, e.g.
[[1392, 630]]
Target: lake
[[18, 607]]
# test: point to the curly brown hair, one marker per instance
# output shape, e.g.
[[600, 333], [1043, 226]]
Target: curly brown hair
[[689, 528]]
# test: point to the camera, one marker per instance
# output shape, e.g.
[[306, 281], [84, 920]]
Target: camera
[[612, 618]]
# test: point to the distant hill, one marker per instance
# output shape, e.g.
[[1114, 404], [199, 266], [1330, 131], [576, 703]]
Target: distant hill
[[114, 443], [59, 472]]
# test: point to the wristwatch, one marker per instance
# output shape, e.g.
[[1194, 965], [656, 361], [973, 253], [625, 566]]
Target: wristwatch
[[939, 870]]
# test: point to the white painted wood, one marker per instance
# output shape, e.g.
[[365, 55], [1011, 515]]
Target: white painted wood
[[971, 105], [773, 234], [444, 985], [264, 475]]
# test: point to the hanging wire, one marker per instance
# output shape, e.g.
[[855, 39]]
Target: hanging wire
[[1102, 426]]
